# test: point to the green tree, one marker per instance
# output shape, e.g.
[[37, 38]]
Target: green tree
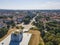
[[27, 20], [49, 43], [3, 31]]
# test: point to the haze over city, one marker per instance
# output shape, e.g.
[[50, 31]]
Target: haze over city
[[29, 4]]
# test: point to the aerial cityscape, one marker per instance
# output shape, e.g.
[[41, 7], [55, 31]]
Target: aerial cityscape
[[30, 22]]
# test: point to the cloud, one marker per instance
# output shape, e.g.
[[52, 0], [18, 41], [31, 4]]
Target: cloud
[[50, 5]]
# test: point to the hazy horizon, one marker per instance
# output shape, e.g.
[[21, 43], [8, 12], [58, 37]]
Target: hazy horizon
[[30, 4]]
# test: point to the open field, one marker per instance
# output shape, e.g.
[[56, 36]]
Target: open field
[[36, 38]]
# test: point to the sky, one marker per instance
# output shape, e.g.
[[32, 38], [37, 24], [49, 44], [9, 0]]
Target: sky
[[29, 4]]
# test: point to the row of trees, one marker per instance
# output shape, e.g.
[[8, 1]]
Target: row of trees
[[51, 35], [27, 20], [6, 17], [39, 25], [3, 31]]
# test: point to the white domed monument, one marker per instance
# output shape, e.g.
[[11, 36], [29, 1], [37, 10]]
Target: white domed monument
[[16, 37]]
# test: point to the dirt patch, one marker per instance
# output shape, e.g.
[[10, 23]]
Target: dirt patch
[[36, 38]]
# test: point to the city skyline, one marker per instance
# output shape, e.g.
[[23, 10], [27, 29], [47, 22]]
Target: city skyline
[[29, 4]]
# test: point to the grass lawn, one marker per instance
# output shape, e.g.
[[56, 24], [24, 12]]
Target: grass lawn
[[36, 38]]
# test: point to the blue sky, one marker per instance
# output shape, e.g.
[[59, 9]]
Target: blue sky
[[29, 4]]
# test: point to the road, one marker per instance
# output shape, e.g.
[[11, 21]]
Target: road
[[28, 26]]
